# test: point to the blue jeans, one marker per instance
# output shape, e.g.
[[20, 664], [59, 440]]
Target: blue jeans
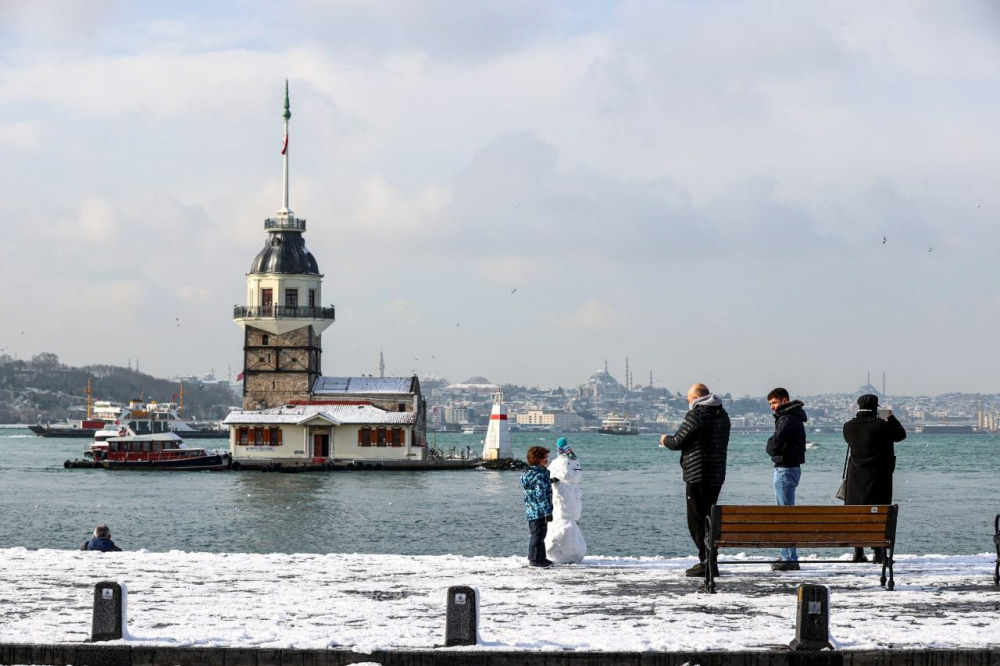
[[786, 480]]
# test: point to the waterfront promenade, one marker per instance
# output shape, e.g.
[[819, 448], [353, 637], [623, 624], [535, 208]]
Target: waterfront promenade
[[367, 603]]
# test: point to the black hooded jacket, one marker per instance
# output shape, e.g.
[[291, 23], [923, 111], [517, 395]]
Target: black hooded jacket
[[703, 440], [787, 446]]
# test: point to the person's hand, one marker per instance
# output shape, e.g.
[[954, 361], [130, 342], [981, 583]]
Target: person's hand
[[548, 517], [663, 441]]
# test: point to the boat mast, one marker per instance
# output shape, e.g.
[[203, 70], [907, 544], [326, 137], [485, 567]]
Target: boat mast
[[88, 394], [180, 408]]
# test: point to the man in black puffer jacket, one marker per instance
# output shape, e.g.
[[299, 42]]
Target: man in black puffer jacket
[[787, 448], [703, 440]]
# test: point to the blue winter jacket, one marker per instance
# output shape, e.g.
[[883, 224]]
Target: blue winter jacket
[[102, 544], [537, 492]]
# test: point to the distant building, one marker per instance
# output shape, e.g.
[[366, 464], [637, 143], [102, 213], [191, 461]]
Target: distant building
[[460, 415], [601, 386], [550, 418]]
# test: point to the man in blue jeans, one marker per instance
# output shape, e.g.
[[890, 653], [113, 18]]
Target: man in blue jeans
[[787, 448]]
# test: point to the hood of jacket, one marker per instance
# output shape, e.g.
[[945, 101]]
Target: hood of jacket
[[710, 400], [793, 409]]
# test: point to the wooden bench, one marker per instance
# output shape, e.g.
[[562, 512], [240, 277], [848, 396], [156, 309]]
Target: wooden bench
[[865, 526]]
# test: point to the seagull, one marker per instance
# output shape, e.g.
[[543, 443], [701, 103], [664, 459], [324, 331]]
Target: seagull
[[930, 249], [515, 290], [432, 355], [883, 240], [977, 205]]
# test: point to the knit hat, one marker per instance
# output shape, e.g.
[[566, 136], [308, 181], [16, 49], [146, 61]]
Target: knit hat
[[562, 447], [868, 402]]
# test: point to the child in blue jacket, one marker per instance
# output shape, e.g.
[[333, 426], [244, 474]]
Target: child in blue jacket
[[537, 504]]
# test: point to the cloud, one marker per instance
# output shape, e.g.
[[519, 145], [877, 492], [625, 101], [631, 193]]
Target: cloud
[[22, 137], [593, 315]]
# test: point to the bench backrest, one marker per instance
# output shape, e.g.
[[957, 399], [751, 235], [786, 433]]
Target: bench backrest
[[869, 526]]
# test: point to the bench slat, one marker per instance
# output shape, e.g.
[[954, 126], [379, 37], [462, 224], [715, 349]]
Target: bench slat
[[852, 543], [857, 538], [830, 518], [729, 510], [757, 528]]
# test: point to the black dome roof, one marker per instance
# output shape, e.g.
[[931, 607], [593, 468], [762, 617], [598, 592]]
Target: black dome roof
[[285, 252]]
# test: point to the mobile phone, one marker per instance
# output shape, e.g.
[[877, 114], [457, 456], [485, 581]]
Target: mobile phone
[[885, 413]]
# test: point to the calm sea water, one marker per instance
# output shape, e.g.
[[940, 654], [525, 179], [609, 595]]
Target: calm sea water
[[947, 487]]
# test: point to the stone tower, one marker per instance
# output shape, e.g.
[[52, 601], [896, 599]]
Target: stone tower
[[284, 317]]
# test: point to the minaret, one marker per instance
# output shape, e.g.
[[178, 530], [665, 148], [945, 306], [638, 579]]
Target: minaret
[[381, 365], [284, 317]]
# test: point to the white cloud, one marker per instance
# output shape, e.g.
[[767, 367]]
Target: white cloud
[[22, 137]]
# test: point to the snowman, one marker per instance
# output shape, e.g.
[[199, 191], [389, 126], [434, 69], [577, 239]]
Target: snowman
[[563, 541]]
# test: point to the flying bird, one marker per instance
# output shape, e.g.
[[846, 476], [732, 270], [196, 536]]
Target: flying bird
[[930, 249], [883, 240], [515, 290]]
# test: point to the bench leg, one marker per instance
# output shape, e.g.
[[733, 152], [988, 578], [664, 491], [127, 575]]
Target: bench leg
[[887, 563]]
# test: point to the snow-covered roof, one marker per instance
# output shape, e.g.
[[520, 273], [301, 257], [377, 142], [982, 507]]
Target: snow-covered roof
[[334, 414], [364, 385]]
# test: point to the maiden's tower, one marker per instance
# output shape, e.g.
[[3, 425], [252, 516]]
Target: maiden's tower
[[291, 414], [283, 318]]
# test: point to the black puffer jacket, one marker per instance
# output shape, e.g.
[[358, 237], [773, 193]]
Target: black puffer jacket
[[787, 446], [703, 440]]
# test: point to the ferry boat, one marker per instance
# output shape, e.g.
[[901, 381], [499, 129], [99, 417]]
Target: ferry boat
[[107, 414], [150, 446], [618, 425]]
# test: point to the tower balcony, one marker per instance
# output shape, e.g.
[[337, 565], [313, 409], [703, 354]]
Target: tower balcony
[[285, 224], [280, 319]]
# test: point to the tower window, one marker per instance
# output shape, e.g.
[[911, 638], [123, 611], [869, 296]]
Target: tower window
[[263, 340], [312, 298], [291, 298]]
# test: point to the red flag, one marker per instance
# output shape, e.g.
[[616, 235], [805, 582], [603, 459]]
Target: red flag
[[239, 377], [284, 146]]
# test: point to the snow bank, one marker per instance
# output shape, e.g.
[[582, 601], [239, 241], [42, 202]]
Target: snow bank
[[368, 602]]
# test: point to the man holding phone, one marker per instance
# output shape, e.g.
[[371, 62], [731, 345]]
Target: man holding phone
[[873, 458]]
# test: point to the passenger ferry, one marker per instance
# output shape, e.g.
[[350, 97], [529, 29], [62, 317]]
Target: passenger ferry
[[618, 425], [149, 445]]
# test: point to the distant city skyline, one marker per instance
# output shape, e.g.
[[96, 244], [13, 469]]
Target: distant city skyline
[[747, 195]]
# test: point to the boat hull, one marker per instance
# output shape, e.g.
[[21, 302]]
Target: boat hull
[[201, 463], [43, 431], [604, 431]]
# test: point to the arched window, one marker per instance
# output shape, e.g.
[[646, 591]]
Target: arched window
[[365, 437], [381, 437]]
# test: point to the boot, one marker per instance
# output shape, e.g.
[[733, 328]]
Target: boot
[[697, 571], [859, 555], [879, 555]]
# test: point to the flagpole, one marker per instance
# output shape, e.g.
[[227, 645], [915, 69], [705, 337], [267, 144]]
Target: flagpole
[[286, 115]]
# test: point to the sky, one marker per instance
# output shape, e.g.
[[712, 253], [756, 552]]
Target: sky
[[744, 194]]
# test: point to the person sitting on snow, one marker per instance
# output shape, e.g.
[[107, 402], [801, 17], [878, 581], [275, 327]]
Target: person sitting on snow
[[101, 541]]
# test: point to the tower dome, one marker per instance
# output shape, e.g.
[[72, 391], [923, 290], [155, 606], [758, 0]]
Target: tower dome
[[285, 252]]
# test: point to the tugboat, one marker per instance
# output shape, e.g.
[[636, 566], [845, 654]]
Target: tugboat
[[618, 425], [147, 445]]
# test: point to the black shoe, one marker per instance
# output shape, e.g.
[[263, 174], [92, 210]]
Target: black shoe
[[697, 571], [859, 555], [548, 561], [790, 565], [715, 570], [540, 565]]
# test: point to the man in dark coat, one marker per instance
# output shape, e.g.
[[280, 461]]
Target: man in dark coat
[[873, 458], [703, 440], [101, 541], [787, 448]]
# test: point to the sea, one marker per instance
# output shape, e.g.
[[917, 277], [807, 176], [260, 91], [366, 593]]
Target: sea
[[947, 488]]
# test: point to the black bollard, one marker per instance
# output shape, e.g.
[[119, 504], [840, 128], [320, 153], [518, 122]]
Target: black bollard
[[109, 612], [812, 619], [462, 619]]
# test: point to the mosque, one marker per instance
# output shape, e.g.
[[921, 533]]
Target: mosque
[[292, 414]]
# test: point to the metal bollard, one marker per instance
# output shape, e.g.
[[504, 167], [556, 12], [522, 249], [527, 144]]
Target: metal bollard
[[461, 624], [110, 615], [812, 619]]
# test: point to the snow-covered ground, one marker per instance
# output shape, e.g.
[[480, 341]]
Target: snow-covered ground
[[384, 601]]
